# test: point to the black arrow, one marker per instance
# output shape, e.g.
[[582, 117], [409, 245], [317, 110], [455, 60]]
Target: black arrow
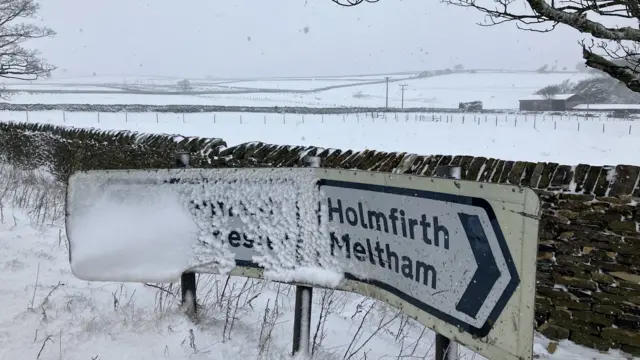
[[487, 273]]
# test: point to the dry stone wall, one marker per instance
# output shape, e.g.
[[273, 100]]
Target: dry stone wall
[[588, 278], [137, 108], [64, 150]]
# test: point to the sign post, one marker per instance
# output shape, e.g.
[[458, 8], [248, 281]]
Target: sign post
[[187, 279], [457, 256], [304, 301]]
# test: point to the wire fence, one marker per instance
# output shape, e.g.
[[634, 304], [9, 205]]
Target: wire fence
[[537, 122]]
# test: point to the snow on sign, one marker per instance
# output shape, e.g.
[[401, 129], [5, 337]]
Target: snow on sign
[[458, 256]]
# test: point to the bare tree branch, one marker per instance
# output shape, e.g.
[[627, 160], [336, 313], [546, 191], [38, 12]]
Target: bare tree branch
[[348, 3], [16, 62], [617, 52]]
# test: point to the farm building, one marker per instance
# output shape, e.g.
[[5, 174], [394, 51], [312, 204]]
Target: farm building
[[615, 108], [560, 102]]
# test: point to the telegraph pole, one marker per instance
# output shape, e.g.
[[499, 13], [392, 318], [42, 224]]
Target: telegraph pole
[[386, 105], [402, 86]]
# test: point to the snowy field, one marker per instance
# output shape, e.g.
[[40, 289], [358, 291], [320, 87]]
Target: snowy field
[[50, 315], [551, 138], [497, 90]]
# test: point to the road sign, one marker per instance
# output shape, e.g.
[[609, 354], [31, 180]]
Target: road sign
[[443, 253], [458, 256]]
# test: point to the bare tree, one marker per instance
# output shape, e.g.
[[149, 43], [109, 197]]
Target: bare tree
[[17, 62], [615, 49], [184, 85], [612, 49], [549, 92]]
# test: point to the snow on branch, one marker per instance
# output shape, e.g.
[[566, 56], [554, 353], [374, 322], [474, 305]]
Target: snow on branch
[[616, 52]]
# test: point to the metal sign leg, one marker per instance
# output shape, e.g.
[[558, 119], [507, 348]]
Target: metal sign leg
[[188, 279], [445, 348], [302, 320]]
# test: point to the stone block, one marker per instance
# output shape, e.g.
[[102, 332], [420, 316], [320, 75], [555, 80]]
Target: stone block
[[593, 317], [560, 314], [591, 179], [572, 305], [516, 173], [574, 325], [489, 165], [604, 279], [629, 280], [609, 266], [619, 200], [628, 321], [497, 171], [464, 166], [577, 197], [473, 171], [610, 310], [537, 175], [577, 283], [602, 184], [625, 180], [555, 294], [547, 173], [508, 166], [569, 214], [580, 174], [558, 177], [591, 341], [528, 173], [544, 301], [621, 336], [626, 227], [607, 298], [554, 332]]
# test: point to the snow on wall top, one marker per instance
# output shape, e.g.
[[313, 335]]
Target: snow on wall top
[[34, 145]]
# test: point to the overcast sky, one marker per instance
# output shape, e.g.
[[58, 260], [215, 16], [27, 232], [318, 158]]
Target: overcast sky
[[196, 38]]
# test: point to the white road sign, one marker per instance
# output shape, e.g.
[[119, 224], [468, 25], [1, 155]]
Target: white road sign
[[457, 256], [445, 254]]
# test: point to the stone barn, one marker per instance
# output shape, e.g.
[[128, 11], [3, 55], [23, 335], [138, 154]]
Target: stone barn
[[559, 102]]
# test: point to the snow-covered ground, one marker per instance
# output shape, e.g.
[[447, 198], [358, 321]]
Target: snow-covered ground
[[49, 315], [552, 138], [497, 90]]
